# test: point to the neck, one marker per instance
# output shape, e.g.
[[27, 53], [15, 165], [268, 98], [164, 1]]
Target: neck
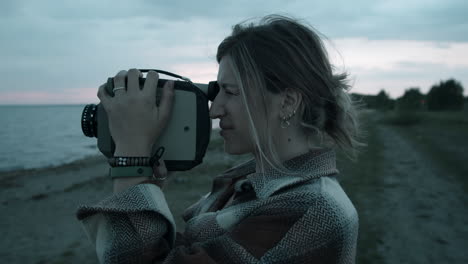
[[288, 145]]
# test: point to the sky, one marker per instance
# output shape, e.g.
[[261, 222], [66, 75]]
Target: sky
[[59, 52]]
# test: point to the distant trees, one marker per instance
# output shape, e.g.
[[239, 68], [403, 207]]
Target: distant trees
[[383, 101], [412, 99], [447, 95]]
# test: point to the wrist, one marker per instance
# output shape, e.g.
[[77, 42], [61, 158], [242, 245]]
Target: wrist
[[133, 169]]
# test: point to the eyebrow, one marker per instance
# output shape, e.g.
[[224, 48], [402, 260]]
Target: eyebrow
[[221, 84]]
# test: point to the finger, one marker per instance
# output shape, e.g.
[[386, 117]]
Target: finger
[[102, 94], [133, 84], [161, 170], [119, 81], [167, 102], [149, 89]]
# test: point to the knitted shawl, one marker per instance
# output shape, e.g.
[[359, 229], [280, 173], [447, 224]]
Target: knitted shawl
[[274, 218]]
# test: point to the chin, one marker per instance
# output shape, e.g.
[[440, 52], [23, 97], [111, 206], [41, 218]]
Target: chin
[[235, 150]]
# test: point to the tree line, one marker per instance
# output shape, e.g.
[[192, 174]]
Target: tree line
[[443, 96]]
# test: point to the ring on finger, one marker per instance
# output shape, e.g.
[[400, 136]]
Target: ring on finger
[[118, 88]]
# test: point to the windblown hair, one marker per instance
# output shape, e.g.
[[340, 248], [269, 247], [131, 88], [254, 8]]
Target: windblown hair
[[278, 53]]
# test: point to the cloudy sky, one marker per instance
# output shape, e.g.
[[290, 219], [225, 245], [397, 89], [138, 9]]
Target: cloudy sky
[[59, 52]]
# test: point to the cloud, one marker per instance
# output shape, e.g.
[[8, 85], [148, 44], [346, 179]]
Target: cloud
[[395, 65], [388, 54], [82, 53], [58, 46], [410, 74], [397, 19]]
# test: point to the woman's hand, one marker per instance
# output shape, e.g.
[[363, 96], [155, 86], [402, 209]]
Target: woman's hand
[[160, 172], [135, 122]]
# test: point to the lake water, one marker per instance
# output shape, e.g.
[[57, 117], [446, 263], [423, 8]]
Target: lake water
[[42, 136]]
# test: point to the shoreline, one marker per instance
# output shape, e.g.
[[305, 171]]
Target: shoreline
[[76, 164]]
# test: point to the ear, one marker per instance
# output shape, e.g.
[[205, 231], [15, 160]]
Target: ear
[[290, 101]]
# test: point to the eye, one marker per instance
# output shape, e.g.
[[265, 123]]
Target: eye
[[227, 92], [224, 87]]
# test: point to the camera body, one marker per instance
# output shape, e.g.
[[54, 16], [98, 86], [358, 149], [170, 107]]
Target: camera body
[[187, 133]]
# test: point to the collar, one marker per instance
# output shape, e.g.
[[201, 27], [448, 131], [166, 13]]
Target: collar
[[311, 165]]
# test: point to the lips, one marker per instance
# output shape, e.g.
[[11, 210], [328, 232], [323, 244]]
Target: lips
[[224, 129], [224, 126]]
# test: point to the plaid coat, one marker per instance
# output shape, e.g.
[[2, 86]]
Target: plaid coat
[[274, 218]]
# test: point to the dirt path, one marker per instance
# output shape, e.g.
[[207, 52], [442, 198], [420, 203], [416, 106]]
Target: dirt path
[[424, 214]]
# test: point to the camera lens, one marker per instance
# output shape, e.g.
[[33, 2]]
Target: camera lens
[[89, 120]]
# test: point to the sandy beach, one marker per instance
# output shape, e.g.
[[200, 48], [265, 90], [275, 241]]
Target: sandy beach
[[38, 212]]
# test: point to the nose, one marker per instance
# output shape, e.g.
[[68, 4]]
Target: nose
[[217, 108]]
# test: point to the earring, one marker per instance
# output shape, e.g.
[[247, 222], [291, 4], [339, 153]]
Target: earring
[[285, 122]]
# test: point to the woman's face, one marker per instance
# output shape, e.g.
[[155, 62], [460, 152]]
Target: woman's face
[[228, 106]]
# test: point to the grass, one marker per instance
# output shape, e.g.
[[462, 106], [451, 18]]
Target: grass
[[362, 183], [410, 118], [402, 118]]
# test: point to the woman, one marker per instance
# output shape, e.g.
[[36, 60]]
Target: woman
[[280, 101]]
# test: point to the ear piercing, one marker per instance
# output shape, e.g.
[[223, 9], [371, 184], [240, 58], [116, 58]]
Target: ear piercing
[[285, 122]]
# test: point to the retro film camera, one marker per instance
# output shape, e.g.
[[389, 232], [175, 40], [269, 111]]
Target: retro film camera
[[187, 133]]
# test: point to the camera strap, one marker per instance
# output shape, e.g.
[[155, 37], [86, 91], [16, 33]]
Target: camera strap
[[168, 74]]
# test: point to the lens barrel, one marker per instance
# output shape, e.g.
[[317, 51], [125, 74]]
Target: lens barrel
[[89, 120]]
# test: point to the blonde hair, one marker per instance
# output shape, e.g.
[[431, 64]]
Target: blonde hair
[[279, 53]]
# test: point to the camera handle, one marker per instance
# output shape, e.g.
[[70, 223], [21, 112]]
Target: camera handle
[[168, 73], [210, 90]]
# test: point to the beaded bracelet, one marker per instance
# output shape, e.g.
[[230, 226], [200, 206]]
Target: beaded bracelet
[[137, 161], [129, 161], [135, 166]]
